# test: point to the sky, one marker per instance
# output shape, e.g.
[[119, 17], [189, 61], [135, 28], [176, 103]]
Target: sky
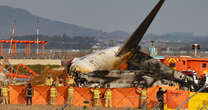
[[124, 15]]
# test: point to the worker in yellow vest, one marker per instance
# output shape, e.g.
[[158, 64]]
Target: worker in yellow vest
[[96, 96], [70, 81], [142, 97], [5, 94], [60, 84], [70, 95], [49, 81], [53, 95], [108, 97]]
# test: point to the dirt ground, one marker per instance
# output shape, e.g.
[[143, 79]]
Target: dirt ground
[[49, 107]]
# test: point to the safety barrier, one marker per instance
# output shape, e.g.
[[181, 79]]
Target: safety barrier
[[121, 97]]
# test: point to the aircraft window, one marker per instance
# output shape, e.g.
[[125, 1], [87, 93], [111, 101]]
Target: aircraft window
[[204, 65], [172, 65]]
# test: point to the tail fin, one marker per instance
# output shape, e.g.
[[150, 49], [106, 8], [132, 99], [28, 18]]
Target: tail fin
[[138, 34]]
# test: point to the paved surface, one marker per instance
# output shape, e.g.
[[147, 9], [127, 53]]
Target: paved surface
[[34, 61], [49, 107]]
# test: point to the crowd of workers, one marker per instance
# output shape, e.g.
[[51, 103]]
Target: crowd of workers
[[96, 94]]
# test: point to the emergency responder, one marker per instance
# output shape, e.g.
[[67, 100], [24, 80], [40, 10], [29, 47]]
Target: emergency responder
[[53, 94], [49, 81], [96, 96], [70, 81], [160, 98], [60, 84], [142, 96], [29, 92], [5, 93], [108, 97], [70, 94]]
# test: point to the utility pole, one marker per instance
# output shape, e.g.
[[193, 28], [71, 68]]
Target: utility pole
[[37, 36], [12, 37]]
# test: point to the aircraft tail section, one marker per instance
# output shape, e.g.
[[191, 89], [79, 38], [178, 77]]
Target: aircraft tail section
[[138, 34]]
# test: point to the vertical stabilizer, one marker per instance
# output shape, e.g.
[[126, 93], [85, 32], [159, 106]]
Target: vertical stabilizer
[[138, 34]]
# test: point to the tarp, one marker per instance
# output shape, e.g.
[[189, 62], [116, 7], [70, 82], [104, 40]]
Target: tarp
[[176, 97], [125, 97], [121, 97], [152, 93], [41, 95], [17, 95], [61, 95]]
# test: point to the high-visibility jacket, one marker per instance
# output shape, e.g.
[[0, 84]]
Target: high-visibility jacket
[[47, 82], [70, 81], [96, 93], [50, 81], [53, 92], [60, 84], [108, 94], [70, 90], [142, 92], [5, 91]]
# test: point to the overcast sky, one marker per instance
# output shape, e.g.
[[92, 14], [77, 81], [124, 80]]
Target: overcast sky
[[125, 15]]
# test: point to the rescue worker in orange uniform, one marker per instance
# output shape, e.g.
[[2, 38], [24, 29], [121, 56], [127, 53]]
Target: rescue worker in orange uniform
[[53, 95], [5, 94], [142, 97], [70, 94], [108, 97], [96, 96], [70, 81]]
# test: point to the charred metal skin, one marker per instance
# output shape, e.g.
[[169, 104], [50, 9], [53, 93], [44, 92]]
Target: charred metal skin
[[98, 67], [109, 58], [148, 70]]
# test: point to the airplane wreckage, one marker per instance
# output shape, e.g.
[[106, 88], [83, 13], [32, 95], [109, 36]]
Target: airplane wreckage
[[141, 69]]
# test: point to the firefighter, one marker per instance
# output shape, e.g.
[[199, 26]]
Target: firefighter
[[49, 81], [60, 84], [29, 93], [70, 81], [160, 98], [96, 96], [5, 94], [70, 94], [142, 96], [108, 97], [53, 94]]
